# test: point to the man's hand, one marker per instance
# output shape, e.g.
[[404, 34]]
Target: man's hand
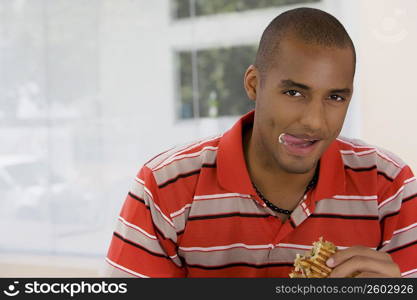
[[364, 262]]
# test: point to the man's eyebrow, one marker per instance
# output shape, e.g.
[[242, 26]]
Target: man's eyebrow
[[342, 91], [289, 83]]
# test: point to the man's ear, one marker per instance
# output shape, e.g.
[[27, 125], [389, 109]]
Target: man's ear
[[251, 81]]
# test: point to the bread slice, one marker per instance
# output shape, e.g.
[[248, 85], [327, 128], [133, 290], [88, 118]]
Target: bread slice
[[313, 263]]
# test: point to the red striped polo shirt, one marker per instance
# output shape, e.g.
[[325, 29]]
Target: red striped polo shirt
[[192, 212]]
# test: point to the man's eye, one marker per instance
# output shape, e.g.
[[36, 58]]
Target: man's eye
[[337, 98], [292, 93]]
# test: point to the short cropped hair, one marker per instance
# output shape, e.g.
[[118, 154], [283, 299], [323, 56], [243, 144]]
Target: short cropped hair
[[310, 25]]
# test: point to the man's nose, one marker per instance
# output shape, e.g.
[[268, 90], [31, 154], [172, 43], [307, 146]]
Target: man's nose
[[313, 117]]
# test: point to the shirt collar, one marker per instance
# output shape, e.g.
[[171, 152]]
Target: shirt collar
[[332, 179], [233, 174], [231, 165]]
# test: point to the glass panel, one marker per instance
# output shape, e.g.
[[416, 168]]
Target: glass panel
[[181, 9], [220, 75], [49, 156], [72, 53], [24, 212], [185, 8], [184, 65]]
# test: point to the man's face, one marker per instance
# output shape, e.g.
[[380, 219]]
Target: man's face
[[301, 104]]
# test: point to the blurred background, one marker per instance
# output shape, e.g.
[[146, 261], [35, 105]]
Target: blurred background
[[90, 90]]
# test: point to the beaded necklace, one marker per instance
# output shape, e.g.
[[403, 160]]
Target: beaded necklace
[[272, 206]]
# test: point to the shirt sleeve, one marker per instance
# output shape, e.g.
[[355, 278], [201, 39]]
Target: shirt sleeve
[[144, 240], [398, 217]]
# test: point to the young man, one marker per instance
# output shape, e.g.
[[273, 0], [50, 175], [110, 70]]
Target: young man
[[245, 203]]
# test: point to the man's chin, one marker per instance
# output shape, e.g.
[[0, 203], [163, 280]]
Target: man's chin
[[298, 167], [297, 170]]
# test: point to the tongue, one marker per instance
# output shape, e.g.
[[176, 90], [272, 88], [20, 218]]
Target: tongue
[[289, 139]]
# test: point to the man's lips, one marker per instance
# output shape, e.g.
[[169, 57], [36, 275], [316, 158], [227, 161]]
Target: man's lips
[[299, 145], [301, 139]]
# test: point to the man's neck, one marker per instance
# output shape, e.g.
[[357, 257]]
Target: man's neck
[[280, 187]]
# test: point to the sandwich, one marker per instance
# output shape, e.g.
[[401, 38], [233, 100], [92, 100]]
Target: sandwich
[[313, 263]]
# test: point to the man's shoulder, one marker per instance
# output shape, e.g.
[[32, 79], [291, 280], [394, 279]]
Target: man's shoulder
[[185, 154], [358, 154], [360, 147]]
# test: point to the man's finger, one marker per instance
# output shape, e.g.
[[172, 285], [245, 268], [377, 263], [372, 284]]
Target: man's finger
[[365, 264], [344, 255]]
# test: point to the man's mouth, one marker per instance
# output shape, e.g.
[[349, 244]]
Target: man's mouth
[[298, 144], [297, 140]]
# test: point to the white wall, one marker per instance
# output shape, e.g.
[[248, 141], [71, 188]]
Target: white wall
[[388, 34]]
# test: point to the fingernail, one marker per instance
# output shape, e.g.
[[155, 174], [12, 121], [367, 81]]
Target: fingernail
[[330, 262]]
